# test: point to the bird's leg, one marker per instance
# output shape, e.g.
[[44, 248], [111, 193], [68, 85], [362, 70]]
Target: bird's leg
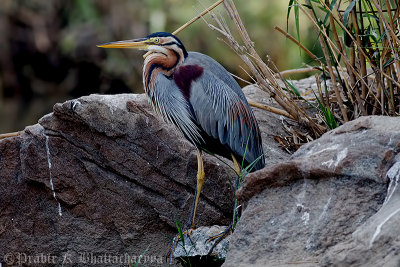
[[219, 237], [200, 182], [236, 165]]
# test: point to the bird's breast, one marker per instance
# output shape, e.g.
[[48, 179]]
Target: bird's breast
[[184, 76]]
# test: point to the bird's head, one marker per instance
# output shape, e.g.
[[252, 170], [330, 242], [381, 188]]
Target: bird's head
[[159, 42]]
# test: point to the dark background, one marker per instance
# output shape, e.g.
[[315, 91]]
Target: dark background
[[48, 50]]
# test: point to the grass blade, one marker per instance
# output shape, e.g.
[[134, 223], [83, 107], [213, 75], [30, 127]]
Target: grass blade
[[180, 232], [347, 12], [288, 14]]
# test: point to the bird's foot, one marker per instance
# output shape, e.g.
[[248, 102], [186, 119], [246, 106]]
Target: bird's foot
[[218, 238], [187, 233]]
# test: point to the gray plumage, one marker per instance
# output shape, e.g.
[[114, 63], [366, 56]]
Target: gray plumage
[[201, 98], [217, 111]]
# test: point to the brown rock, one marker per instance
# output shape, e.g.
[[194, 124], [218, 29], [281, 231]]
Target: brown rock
[[118, 178], [328, 205], [103, 176]]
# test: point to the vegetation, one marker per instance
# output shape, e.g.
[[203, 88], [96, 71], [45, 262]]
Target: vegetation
[[359, 42], [360, 45]]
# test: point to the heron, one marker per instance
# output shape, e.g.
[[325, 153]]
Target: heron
[[205, 103]]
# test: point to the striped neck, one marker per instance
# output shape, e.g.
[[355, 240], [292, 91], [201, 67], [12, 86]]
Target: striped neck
[[164, 62]]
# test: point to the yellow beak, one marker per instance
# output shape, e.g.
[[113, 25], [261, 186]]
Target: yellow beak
[[136, 44]]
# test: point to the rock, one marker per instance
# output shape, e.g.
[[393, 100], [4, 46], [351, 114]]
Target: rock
[[199, 245], [328, 205], [104, 177], [376, 242]]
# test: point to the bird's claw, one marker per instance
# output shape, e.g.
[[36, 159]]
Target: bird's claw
[[215, 237], [218, 238], [187, 233]]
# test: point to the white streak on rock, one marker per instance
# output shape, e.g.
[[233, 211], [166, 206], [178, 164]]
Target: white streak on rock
[[299, 198], [51, 176], [379, 227], [309, 244], [75, 103], [325, 209], [328, 163], [340, 156], [305, 217], [334, 147], [393, 174]]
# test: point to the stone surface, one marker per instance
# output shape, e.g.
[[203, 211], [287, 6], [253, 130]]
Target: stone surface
[[199, 244], [106, 177], [335, 202], [103, 176], [377, 241]]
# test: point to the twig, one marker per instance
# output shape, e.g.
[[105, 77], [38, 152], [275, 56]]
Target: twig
[[7, 135], [278, 95], [290, 37], [207, 10], [298, 71], [321, 95], [271, 109], [362, 57], [343, 27], [187, 24]]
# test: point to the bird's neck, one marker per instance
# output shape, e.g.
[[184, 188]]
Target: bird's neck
[[159, 63]]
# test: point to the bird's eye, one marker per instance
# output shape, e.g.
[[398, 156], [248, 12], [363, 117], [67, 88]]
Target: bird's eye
[[156, 40]]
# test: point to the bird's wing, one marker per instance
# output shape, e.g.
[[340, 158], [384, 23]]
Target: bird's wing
[[168, 100], [217, 69], [222, 114]]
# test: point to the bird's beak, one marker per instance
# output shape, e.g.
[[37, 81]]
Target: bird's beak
[[142, 43]]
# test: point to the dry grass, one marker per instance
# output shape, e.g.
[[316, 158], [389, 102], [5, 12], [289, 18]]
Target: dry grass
[[360, 45]]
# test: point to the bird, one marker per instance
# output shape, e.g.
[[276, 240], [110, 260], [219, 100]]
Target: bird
[[202, 99]]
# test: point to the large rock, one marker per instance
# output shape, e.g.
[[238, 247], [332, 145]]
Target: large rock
[[336, 202], [103, 176]]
